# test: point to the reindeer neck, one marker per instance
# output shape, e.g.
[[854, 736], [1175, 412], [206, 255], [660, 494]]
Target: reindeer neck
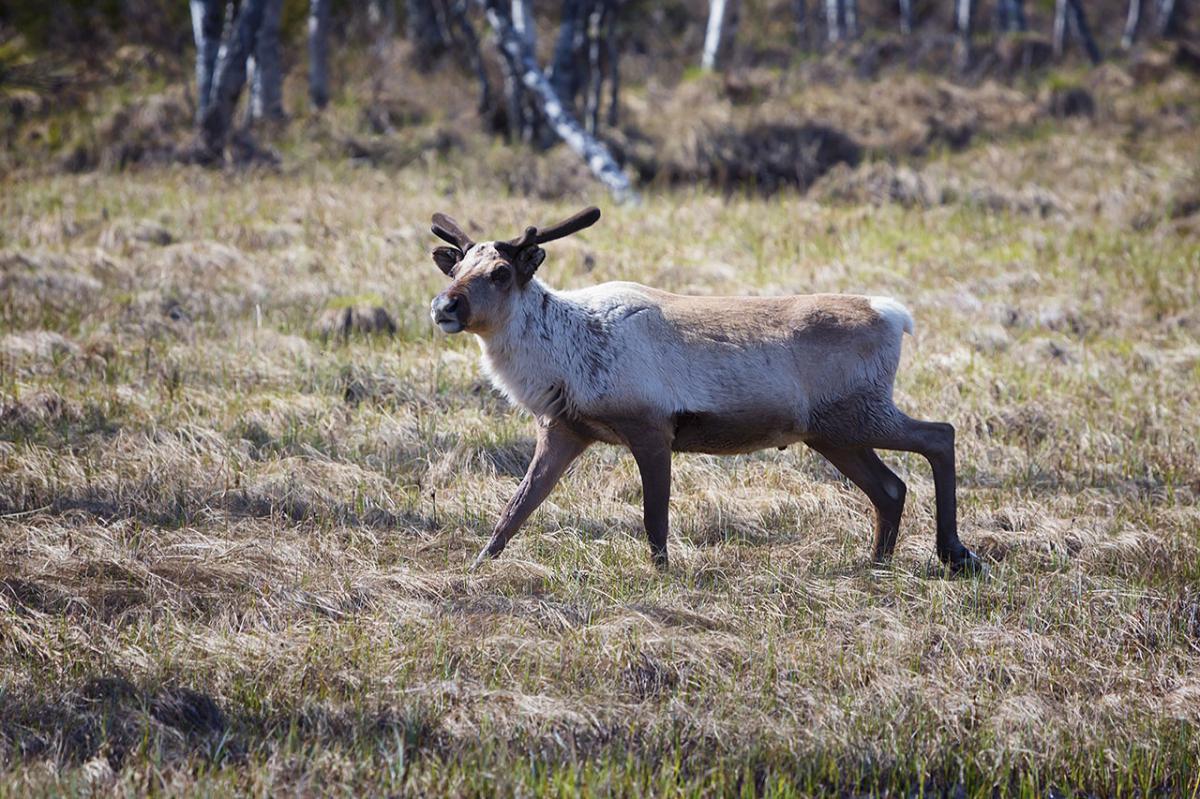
[[545, 357]]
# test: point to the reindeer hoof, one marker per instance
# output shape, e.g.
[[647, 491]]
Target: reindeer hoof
[[967, 564], [485, 554]]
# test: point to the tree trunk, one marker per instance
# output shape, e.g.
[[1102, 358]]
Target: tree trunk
[[597, 30], [612, 55], [563, 69], [964, 23], [318, 53], [525, 24], [800, 22], [207, 20], [833, 20], [522, 61], [229, 76], [382, 16], [1166, 17], [1068, 18], [906, 17], [1133, 20], [514, 101], [424, 31], [266, 82], [850, 18], [732, 23], [1060, 27], [713, 34], [1016, 16], [1010, 16], [470, 44], [1080, 26]]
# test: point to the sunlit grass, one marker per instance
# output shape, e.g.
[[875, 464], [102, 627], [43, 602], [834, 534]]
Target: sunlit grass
[[197, 491]]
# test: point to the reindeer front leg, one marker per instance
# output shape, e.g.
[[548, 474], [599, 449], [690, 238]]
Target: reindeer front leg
[[556, 448], [651, 447]]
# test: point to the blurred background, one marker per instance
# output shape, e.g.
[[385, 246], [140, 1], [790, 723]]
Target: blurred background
[[739, 94]]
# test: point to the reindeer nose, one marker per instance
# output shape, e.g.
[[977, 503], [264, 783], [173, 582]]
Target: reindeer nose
[[449, 313], [446, 305]]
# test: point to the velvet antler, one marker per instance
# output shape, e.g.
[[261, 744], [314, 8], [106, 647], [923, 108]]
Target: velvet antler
[[532, 235], [584, 219], [448, 230]]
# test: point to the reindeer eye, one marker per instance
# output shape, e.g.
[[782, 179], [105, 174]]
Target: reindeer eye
[[501, 274]]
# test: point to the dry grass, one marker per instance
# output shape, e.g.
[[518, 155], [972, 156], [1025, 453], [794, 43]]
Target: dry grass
[[232, 553]]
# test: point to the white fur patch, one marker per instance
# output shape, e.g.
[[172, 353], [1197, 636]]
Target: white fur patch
[[894, 312]]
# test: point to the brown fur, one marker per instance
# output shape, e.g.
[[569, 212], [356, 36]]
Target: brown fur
[[826, 319]]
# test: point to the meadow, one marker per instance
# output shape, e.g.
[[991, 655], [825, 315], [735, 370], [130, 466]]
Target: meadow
[[234, 550]]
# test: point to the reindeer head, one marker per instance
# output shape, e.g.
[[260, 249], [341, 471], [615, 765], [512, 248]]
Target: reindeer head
[[489, 277]]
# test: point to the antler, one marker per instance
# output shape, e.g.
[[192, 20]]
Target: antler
[[584, 219], [532, 235], [529, 237], [448, 230]]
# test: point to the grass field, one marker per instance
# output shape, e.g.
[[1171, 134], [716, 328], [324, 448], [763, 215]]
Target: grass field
[[233, 553]]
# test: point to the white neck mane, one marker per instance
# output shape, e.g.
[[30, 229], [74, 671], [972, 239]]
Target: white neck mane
[[551, 357]]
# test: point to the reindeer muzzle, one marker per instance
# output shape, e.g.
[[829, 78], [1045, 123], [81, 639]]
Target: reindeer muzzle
[[450, 312]]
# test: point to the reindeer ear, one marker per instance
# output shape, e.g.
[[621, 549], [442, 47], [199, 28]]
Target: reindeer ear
[[447, 258], [527, 262]]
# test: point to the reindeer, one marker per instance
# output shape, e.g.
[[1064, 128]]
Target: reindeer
[[658, 373]]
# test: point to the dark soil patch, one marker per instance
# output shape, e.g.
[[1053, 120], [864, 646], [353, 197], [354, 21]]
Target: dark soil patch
[[764, 158]]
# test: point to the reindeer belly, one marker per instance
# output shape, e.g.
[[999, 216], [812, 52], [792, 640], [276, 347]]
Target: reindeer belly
[[731, 433]]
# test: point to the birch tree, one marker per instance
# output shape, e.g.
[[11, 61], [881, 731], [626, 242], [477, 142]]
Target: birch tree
[[1166, 17], [208, 18], [841, 20], [1133, 20], [1165, 23], [1079, 26], [318, 53], [424, 30], [563, 72], [522, 62], [600, 48], [1010, 16], [468, 42], [382, 16], [229, 77], [964, 23], [713, 34], [833, 20], [613, 61], [1069, 18], [524, 23], [265, 68], [800, 22], [906, 17]]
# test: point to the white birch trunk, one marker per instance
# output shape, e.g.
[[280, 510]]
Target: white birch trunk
[[264, 67], [1133, 20], [229, 76], [833, 20], [318, 54], [207, 20], [593, 152], [713, 34]]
